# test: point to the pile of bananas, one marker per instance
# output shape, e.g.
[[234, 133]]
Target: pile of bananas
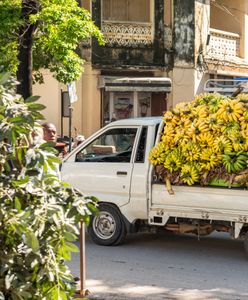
[[204, 139]]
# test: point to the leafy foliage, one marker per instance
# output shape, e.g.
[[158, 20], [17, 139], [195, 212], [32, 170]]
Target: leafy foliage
[[38, 213], [60, 27], [10, 22]]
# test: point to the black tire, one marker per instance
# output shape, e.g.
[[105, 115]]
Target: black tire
[[107, 227]]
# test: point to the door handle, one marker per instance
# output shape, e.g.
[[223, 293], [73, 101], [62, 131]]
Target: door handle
[[121, 173]]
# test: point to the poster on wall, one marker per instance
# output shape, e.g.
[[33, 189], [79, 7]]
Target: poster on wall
[[123, 106]]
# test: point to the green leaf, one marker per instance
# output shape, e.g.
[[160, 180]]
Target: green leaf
[[21, 181], [86, 219], [62, 295], [16, 120], [72, 247], [92, 207], [47, 145], [32, 241], [17, 204], [93, 198], [36, 106], [4, 77], [54, 159], [70, 237], [32, 99]]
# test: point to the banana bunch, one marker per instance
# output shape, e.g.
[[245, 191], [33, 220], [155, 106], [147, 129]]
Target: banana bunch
[[210, 133], [230, 110], [235, 162], [189, 174]]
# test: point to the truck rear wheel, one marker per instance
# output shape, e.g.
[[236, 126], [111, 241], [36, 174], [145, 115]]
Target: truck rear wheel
[[107, 227]]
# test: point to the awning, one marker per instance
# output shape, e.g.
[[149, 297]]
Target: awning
[[138, 84]]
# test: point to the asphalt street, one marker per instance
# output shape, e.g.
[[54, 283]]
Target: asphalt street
[[166, 266]]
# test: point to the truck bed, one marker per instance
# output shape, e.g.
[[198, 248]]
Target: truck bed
[[201, 202]]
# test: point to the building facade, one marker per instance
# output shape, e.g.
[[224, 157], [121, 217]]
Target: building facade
[[150, 45]]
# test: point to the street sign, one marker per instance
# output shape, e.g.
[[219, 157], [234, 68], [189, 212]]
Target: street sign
[[72, 92]]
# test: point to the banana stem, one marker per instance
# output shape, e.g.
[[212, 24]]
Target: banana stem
[[168, 185]]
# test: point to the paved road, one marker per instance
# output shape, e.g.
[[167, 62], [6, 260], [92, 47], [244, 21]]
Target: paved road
[[167, 266]]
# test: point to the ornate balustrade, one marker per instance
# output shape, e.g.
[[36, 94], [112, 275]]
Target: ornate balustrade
[[223, 45], [127, 34]]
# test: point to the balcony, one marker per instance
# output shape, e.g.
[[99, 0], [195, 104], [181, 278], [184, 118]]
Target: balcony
[[126, 34], [223, 45]]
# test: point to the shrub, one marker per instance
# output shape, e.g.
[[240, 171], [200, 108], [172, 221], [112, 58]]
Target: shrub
[[38, 212]]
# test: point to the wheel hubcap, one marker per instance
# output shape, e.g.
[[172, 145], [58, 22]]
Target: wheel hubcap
[[104, 225]]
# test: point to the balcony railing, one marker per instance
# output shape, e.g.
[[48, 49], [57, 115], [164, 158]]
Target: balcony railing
[[127, 34], [223, 45]]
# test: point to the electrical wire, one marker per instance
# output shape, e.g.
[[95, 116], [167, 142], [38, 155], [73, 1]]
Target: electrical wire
[[229, 7]]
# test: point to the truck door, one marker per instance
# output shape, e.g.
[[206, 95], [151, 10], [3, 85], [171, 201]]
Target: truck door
[[139, 177], [103, 168]]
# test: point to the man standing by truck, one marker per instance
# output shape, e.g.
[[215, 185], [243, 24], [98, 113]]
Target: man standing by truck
[[50, 132], [50, 135]]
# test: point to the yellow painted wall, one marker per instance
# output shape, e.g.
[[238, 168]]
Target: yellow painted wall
[[183, 87], [49, 93], [244, 33], [91, 101], [168, 12], [222, 20], [202, 13], [186, 83], [86, 113]]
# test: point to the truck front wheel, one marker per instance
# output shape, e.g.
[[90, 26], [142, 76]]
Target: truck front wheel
[[107, 227]]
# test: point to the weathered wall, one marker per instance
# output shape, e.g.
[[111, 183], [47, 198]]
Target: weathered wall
[[184, 32], [158, 45], [130, 56]]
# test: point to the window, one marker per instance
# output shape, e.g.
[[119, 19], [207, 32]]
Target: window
[[115, 145], [126, 10], [140, 155]]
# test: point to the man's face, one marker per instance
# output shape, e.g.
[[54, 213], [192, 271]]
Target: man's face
[[50, 133]]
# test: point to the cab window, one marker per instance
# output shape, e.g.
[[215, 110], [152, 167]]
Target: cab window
[[115, 145]]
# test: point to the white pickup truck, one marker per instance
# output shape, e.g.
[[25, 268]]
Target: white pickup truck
[[113, 165]]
